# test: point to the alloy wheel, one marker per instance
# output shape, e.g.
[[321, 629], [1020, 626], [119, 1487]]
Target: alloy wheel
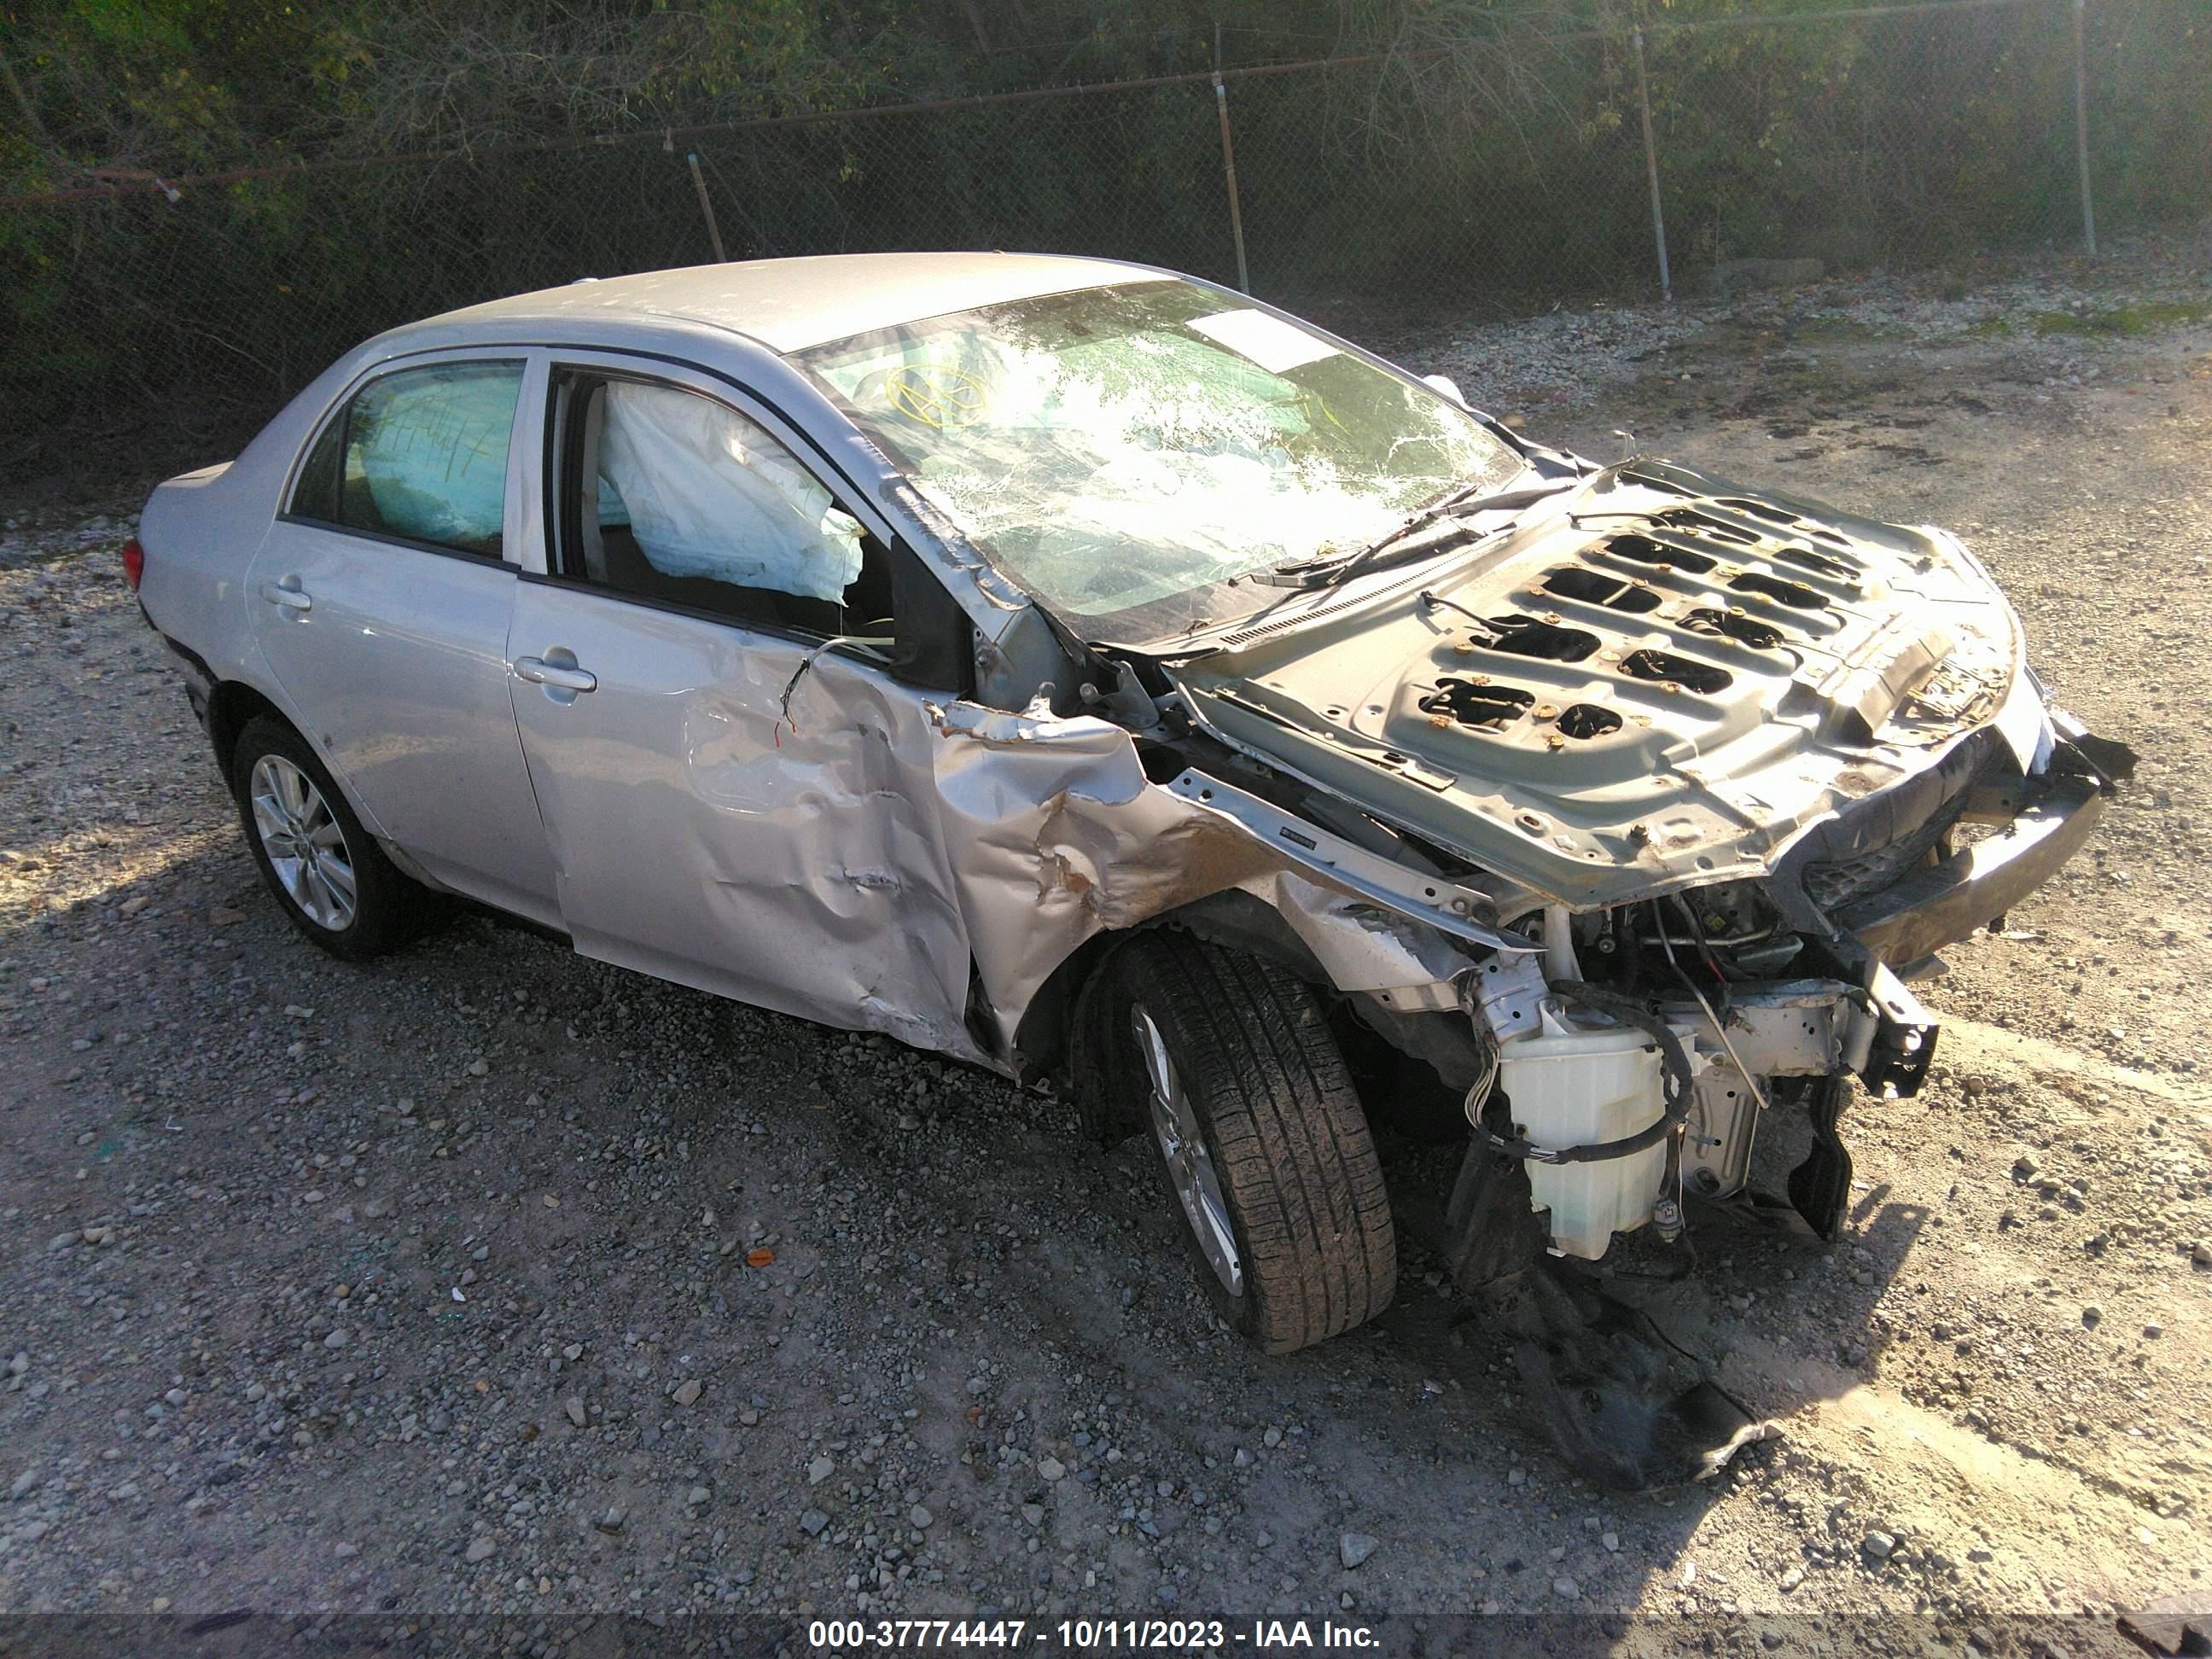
[[305, 846], [1190, 1163]]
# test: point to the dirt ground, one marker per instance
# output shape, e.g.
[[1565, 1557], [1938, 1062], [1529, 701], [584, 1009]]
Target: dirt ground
[[488, 1279]]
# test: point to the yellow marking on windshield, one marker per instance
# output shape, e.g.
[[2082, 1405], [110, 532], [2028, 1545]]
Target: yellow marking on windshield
[[938, 397]]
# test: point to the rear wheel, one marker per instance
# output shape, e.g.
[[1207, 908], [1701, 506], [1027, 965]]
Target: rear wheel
[[326, 871], [1261, 1135]]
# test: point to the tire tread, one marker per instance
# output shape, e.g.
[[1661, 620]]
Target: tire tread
[[1288, 1135]]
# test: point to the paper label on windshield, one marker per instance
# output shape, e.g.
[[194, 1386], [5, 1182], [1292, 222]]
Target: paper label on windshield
[[1267, 341]]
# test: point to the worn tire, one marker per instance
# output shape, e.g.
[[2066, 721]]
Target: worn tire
[[390, 908], [1289, 1144]]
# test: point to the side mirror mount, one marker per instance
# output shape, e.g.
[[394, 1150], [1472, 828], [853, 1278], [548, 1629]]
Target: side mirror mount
[[1446, 385]]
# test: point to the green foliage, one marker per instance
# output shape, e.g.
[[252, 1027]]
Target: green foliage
[[349, 164]]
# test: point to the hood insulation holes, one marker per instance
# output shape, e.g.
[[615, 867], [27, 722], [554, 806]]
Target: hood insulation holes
[[1690, 520], [1524, 636], [1757, 510], [1795, 595], [1570, 582], [1486, 707], [1585, 720], [1644, 550], [1727, 624], [1805, 558], [1671, 669]]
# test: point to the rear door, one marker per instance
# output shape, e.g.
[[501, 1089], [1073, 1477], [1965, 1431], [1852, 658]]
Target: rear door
[[380, 603], [731, 802]]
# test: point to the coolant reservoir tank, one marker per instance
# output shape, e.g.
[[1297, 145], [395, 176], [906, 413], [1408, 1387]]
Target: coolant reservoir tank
[[1576, 1086]]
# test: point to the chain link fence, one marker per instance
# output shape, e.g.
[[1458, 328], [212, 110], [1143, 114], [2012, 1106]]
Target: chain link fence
[[1449, 177]]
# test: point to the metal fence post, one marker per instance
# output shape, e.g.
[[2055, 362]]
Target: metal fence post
[[1651, 169], [1229, 172], [714, 231], [2081, 132]]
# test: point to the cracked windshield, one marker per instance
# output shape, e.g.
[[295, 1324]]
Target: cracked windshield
[[1127, 454]]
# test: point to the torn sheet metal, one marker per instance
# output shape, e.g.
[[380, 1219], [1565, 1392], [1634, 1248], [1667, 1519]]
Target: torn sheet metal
[[1454, 908], [1365, 947], [857, 854], [1055, 834], [1059, 835], [1511, 991]]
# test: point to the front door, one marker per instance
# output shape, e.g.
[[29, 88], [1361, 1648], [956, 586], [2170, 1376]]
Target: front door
[[729, 804], [380, 601]]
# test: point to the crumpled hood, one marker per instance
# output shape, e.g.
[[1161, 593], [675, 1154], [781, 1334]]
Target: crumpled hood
[[1662, 682]]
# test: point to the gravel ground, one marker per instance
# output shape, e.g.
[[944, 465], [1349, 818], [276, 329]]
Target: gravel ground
[[488, 1278]]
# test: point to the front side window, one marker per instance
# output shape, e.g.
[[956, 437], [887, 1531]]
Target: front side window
[[1126, 452], [420, 454], [673, 496]]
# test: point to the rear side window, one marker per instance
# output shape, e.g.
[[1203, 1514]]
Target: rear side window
[[420, 455]]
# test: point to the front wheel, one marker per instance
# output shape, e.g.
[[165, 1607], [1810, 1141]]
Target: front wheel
[[1260, 1136]]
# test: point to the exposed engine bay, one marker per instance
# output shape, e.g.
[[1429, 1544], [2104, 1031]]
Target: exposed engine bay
[[1710, 775], [1658, 810]]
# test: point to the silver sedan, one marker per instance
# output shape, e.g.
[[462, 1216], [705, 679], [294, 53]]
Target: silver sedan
[[1096, 675]]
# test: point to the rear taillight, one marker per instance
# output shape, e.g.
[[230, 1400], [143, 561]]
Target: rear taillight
[[134, 562]]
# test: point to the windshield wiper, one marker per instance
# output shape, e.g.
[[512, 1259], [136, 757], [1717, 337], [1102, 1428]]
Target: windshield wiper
[[1343, 566]]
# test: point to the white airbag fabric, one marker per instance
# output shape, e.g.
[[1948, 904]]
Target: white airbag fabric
[[709, 493], [431, 444]]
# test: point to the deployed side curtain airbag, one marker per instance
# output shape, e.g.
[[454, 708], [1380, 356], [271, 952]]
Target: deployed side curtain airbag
[[708, 494], [430, 445]]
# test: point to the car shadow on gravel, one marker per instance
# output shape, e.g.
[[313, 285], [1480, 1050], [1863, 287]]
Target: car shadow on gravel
[[1725, 1275]]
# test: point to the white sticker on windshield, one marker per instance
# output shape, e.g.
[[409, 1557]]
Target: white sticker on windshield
[[1270, 342]]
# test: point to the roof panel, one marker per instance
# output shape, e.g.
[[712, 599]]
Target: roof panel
[[791, 304]]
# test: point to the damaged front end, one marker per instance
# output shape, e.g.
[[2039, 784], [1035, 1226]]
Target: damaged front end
[[1669, 798], [1741, 759], [1630, 829]]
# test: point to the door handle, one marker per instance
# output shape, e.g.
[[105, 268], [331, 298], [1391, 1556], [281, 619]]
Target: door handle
[[287, 593], [539, 671]]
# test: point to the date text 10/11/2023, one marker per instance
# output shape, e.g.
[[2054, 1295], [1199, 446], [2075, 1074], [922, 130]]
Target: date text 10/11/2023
[[1090, 1635]]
